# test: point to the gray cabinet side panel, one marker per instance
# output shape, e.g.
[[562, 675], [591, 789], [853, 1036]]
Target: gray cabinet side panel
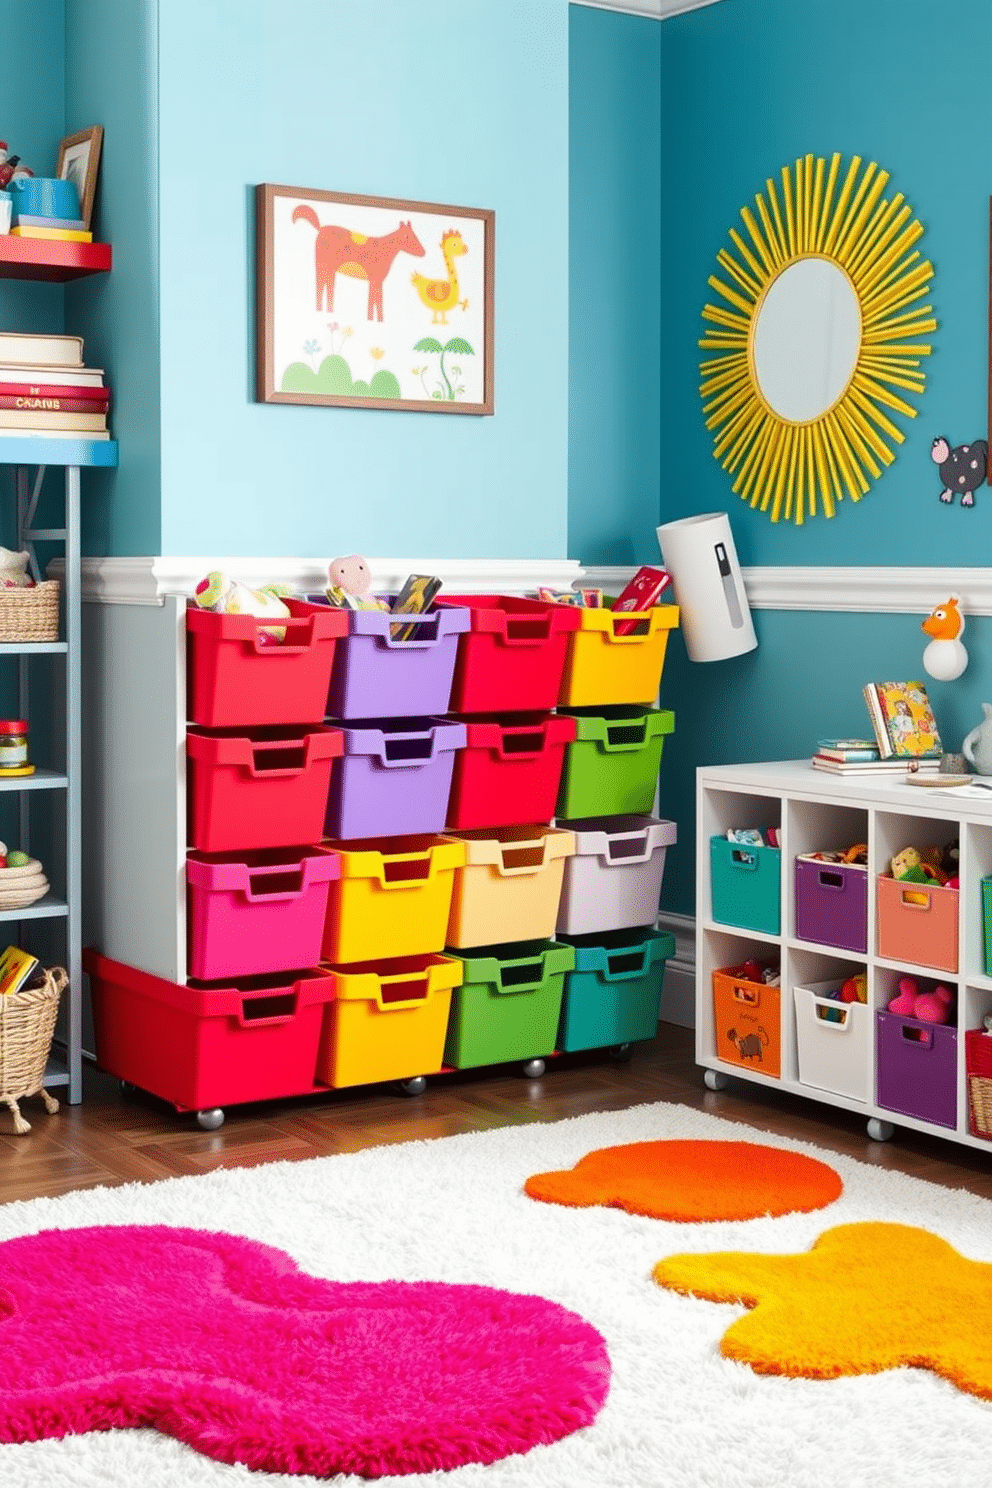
[[134, 784]]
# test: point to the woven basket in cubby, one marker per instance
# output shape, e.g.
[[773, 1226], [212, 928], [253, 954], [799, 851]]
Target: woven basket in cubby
[[978, 1067], [30, 614], [27, 1023]]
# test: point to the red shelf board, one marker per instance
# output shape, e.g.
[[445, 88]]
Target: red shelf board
[[51, 259]]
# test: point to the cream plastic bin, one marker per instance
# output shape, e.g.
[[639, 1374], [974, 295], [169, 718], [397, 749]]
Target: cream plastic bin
[[833, 1041], [510, 886], [613, 882]]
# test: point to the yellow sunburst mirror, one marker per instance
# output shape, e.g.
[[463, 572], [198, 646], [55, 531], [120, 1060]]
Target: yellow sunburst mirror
[[817, 342]]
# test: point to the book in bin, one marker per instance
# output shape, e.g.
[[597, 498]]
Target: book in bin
[[903, 720]]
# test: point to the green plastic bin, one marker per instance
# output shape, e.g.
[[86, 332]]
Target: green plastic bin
[[612, 765], [508, 1004], [614, 994], [746, 885]]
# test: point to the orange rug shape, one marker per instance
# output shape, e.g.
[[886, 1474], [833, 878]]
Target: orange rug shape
[[866, 1297], [692, 1181]]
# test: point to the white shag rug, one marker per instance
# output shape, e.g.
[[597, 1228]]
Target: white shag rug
[[453, 1209]]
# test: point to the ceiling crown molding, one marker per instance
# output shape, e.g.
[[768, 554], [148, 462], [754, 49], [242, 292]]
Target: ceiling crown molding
[[658, 10]]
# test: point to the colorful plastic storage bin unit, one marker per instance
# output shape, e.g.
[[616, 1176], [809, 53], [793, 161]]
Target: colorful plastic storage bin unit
[[747, 1021], [207, 1045], [512, 657], [603, 667], [510, 886], [613, 996], [258, 788], [832, 903], [833, 1041], [612, 766], [509, 770], [917, 1068], [394, 778], [392, 898], [387, 1020], [378, 676], [613, 880], [746, 885], [509, 1003], [238, 675], [252, 913], [918, 922]]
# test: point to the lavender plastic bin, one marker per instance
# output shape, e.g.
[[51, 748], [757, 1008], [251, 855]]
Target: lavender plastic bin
[[832, 904], [374, 676], [917, 1068], [394, 778]]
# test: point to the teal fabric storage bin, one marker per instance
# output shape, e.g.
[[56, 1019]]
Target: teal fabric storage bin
[[612, 767], [614, 994], [746, 885]]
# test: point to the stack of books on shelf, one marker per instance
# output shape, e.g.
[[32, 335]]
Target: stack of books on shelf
[[905, 737], [57, 229], [47, 392]]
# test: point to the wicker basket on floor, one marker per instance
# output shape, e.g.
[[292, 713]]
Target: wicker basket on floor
[[30, 614], [27, 1023], [978, 1066]]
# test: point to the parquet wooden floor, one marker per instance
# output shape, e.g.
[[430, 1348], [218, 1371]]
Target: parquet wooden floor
[[111, 1140]]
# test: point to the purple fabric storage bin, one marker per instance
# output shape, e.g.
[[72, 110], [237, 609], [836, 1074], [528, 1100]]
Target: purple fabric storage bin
[[374, 676], [917, 1068], [831, 904], [394, 778]]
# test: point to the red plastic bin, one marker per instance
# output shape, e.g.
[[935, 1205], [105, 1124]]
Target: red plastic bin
[[509, 771], [513, 657], [236, 676], [258, 788], [252, 913], [205, 1045]]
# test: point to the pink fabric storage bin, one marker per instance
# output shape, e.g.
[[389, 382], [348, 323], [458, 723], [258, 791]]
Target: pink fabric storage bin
[[252, 913]]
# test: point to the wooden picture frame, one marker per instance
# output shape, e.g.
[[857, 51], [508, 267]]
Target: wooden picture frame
[[373, 302], [79, 161]]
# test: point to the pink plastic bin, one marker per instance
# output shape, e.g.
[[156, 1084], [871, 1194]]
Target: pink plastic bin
[[252, 913]]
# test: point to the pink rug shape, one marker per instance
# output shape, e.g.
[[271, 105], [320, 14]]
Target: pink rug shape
[[226, 1345]]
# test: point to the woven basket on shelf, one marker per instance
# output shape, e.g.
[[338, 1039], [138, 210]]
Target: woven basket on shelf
[[27, 1023], [30, 614], [978, 1066]]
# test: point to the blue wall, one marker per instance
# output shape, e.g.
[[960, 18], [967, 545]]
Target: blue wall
[[464, 104]]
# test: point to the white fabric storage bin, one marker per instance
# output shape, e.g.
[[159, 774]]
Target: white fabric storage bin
[[832, 1055], [613, 881]]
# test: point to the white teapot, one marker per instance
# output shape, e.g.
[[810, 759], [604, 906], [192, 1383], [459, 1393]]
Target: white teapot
[[977, 747]]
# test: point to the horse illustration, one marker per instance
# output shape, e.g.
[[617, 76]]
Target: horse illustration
[[338, 250]]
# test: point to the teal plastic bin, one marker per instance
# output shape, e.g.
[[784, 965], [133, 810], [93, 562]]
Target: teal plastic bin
[[612, 766], [508, 1004], [746, 885], [614, 994]]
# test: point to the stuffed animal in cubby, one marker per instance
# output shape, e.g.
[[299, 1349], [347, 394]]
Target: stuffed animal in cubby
[[927, 1007]]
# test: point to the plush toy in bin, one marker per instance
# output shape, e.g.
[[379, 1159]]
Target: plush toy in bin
[[928, 1007], [219, 591]]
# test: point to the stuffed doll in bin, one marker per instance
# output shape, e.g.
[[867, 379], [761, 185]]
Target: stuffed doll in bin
[[218, 591], [14, 570]]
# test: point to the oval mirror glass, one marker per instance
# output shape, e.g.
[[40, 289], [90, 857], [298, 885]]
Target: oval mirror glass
[[805, 339]]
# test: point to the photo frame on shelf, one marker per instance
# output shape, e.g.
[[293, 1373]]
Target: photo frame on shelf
[[79, 162], [373, 302]]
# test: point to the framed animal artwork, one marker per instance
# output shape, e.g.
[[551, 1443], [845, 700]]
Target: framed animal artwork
[[373, 302]]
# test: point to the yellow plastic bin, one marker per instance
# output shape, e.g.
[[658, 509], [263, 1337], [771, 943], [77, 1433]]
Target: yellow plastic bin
[[393, 897], [388, 1019], [510, 886], [604, 667]]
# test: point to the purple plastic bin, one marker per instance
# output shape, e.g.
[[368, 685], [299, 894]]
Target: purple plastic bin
[[917, 1068], [394, 778], [832, 904], [374, 676]]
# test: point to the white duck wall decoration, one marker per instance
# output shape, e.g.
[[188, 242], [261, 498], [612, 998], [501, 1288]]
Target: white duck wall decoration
[[945, 657]]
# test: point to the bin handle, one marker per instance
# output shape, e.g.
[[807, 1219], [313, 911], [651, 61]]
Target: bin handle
[[831, 879], [913, 899], [514, 745], [631, 849], [399, 752], [527, 630], [302, 625], [615, 742], [267, 1019], [399, 992], [523, 857], [523, 977], [406, 870], [287, 883], [748, 995], [836, 1024], [637, 628], [290, 749], [922, 1037], [626, 965], [741, 858]]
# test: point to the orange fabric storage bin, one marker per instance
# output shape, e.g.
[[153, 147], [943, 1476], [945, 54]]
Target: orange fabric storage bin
[[918, 923], [747, 1021], [388, 1019]]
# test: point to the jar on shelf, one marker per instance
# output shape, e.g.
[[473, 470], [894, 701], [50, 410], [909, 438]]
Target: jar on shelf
[[14, 747]]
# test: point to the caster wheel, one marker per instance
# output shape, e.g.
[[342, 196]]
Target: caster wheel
[[715, 1080], [534, 1068], [622, 1053], [880, 1131], [210, 1120], [126, 1088], [415, 1086]]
